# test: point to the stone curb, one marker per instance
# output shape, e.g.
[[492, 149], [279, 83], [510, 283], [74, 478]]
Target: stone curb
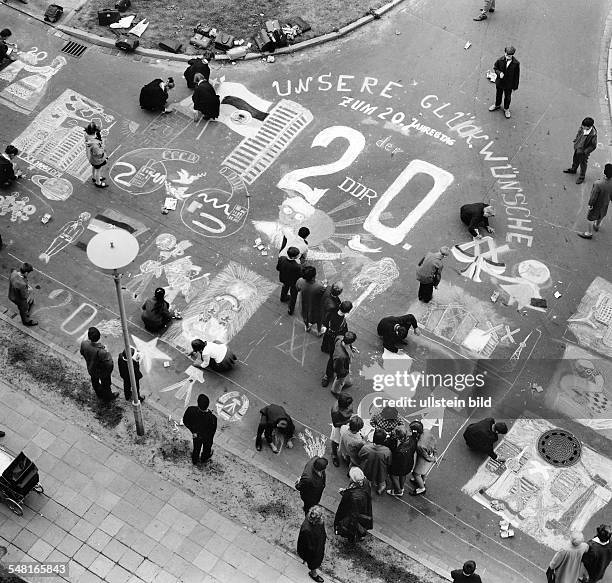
[[229, 445], [152, 53]]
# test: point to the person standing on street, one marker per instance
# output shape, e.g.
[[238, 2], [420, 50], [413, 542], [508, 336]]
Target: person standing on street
[[341, 413], [429, 273], [508, 71], [394, 329], [467, 574], [339, 364], [601, 194], [99, 365], [8, 171], [94, 148], [585, 143], [483, 435], [351, 441], [354, 514], [330, 301], [476, 215], [311, 292], [124, 373], [311, 542], [402, 459], [20, 293], [300, 242], [489, 6], [599, 555], [375, 461], [289, 271], [566, 564], [426, 457], [312, 482], [335, 325], [203, 425]]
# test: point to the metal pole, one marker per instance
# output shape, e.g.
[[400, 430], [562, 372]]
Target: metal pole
[[128, 353]]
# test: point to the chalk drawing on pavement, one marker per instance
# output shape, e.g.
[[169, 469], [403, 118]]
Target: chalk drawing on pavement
[[532, 276], [24, 92], [110, 327], [223, 308], [482, 255], [544, 501], [184, 388], [232, 406], [580, 389], [67, 235], [375, 278], [149, 352], [54, 140], [53, 188], [297, 346], [86, 312], [591, 324], [17, 206], [314, 444]]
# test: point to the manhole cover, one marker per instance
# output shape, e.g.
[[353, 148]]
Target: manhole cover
[[559, 448]]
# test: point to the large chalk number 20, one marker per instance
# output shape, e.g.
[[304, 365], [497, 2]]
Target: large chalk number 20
[[392, 235]]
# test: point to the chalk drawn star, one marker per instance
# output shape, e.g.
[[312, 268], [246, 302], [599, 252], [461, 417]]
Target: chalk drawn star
[[149, 352]]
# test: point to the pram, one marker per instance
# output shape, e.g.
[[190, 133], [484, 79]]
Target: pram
[[19, 476]]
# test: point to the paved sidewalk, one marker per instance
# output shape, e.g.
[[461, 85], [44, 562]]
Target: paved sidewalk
[[116, 521]]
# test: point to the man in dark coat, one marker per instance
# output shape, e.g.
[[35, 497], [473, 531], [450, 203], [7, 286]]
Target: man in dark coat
[[429, 273], [197, 65], [205, 99], [482, 436], [274, 417], [8, 173], [508, 71], [601, 194], [154, 95], [311, 291], [124, 373], [20, 293], [339, 364], [330, 301], [599, 555], [312, 482], [335, 325], [99, 365], [289, 271], [476, 215], [467, 574], [584, 144], [394, 329], [203, 425], [311, 542]]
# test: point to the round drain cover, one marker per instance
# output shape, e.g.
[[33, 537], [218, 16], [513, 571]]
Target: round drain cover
[[559, 448]]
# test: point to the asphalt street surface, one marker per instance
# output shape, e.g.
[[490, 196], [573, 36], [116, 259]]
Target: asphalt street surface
[[374, 142]]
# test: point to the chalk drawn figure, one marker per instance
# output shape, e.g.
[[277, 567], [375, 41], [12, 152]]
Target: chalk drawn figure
[[184, 388], [356, 245], [532, 276], [25, 92], [149, 352], [17, 206], [482, 255], [374, 279], [223, 309], [53, 142], [185, 178], [53, 188], [67, 235]]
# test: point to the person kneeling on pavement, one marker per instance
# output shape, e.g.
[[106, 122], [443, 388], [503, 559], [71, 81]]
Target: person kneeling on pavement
[[154, 95], [274, 418], [214, 355]]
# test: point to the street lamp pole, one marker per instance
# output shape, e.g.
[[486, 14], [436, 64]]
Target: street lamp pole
[[111, 250]]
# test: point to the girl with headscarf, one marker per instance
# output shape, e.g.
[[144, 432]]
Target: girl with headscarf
[[94, 147], [156, 313], [426, 457], [354, 515], [566, 564], [214, 355], [311, 542]]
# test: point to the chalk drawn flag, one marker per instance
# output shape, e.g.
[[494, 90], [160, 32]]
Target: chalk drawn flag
[[241, 110]]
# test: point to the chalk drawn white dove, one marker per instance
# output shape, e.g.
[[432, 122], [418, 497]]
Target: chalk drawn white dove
[[184, 177], [356, 245]]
